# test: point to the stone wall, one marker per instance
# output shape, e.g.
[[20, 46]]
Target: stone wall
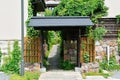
[[90, 67], [4, 45], [101, 48], [32, 67], [70, 51], [4, 48]]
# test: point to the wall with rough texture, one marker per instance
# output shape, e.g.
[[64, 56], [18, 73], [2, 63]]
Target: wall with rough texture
[[101, 48], [4, 48], [5, 43]]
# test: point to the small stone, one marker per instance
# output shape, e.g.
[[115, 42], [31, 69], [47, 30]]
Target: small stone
[[77, 69], [98, 49], [42, 70], [26, 69], [104, 71]]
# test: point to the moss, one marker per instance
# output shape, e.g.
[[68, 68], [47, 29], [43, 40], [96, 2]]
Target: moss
[[27, 76], [105, 75]]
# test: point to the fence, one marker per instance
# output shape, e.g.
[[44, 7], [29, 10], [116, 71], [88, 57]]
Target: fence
[[87, 46], [32, 50]]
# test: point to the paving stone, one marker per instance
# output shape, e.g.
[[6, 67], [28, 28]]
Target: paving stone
[[116, 75], [4, 76], [61, 75]]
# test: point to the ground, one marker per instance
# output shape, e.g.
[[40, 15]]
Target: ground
[[55, 74]]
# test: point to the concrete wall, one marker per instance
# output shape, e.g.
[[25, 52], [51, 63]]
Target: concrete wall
[[10, 19]]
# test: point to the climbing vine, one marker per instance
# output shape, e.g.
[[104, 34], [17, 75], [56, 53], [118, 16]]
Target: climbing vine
[[13, 65], [30, 31], [97, 33]]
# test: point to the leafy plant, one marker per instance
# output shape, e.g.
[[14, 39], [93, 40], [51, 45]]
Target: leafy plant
[[28, 76], [46, 63], [112, 64], [93, 8], [97, 33], [66, 65], [86, 57], [118, 21], [14, 64], [30, 31], [105, 75], [100, 70], [119, 42], [48, 12]]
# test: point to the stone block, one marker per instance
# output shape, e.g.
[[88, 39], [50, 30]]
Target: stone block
[[42, 70], [77, 69]]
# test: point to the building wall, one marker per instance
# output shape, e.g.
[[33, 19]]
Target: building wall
[[110, 39], [10, 22], [4, 44], [101, 48], [10, 19]]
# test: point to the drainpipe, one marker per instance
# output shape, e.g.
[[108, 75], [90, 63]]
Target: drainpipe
[[22, 39]]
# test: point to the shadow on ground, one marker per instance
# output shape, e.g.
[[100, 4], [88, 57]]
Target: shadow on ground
[[54, 58]]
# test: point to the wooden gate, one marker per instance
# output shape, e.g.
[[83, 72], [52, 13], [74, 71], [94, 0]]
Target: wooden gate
[[32, 50], [87, 46]]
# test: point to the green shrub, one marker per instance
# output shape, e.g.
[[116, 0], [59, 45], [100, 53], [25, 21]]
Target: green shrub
[[66, 65], [86, 57], [96, 34], [27, 76], [119, 49], [112, 64], [119, 41], [13, 65], [45, 63], [105, 75], [100, 70]]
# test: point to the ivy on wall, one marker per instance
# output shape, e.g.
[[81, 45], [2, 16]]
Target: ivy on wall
[[12, 61], [96, 34], [30, 31]]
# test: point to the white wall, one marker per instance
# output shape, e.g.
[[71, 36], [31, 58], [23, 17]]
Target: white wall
[[10, 19]]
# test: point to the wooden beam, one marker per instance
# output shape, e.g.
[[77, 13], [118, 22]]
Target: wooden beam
[[42, 50], [78, 48]]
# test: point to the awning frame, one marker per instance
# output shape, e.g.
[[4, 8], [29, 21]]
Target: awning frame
[[60, 22]]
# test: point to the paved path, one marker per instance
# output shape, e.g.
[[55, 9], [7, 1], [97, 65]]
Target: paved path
[[116, 75], [3, 76], [61, 75], [55, 74], [54, 57], [99, 78]]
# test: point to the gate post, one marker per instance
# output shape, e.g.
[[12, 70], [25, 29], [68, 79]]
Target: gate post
[[42, 50], [78, 44]]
